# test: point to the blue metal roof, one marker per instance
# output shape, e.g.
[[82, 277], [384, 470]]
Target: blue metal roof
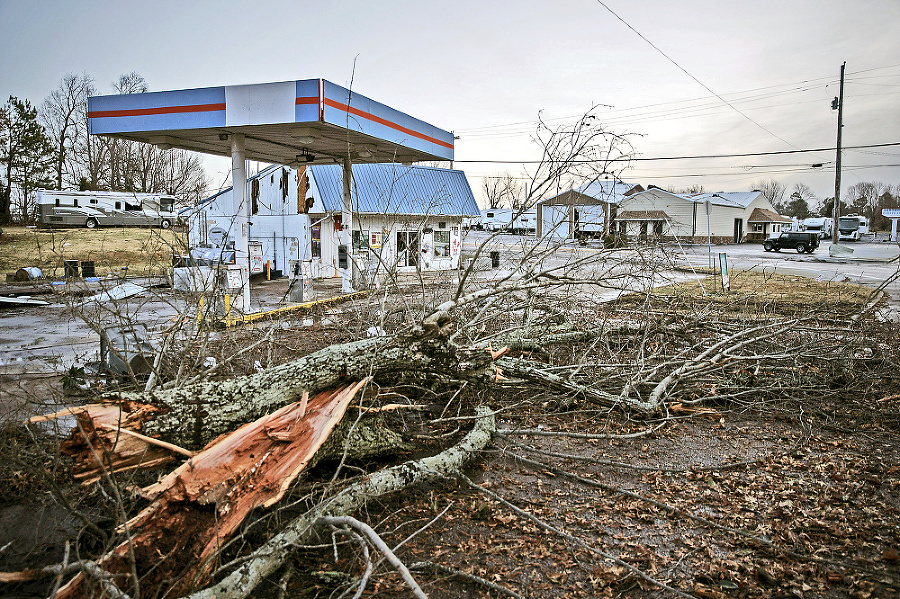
[[397, 189], [740, 199]]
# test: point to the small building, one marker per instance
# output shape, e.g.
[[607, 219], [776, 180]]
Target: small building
[[408, 217], [582, 212], [723, 217]]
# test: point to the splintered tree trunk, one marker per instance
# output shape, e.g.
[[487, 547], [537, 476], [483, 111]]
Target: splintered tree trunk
[[271, 556], [209, 496]]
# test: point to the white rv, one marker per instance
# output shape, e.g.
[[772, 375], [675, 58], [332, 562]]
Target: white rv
[[818, 224], [94, 209], [495, 219], [852, 227]]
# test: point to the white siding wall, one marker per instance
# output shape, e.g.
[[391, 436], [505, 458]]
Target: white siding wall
[[721, 220], [680, 211]]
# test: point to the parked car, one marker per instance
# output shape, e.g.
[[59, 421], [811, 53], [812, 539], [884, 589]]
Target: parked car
[[802, 241]]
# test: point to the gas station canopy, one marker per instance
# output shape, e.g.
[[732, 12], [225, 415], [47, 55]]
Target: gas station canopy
[[310, 121]]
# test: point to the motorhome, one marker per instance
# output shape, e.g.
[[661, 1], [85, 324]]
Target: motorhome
[[852, 227], [496, 219], [818, 224], [94, 209]]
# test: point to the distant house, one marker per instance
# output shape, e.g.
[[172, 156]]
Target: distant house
[[725, 217], [408, 217], [583, 212]]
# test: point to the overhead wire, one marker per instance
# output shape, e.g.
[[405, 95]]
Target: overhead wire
[[691, 157], [685, 71]]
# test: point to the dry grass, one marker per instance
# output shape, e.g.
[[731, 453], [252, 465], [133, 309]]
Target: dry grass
[[142, 250], [770, 293]]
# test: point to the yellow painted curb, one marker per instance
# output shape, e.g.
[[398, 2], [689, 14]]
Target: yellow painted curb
[[247, 318]]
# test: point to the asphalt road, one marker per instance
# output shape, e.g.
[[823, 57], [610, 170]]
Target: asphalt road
[[748, 256]]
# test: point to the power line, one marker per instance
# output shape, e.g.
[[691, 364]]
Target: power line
[[801, 86], [694, 157]]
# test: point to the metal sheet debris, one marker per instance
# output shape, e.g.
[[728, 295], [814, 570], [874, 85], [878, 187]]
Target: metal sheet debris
[[119, 292], [21, 301]]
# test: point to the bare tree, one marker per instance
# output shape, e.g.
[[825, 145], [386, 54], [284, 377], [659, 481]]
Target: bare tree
[[93, 163], [502, 191], [480, 350], [693, 189], [773, 191], [63, 114], [868, 198]]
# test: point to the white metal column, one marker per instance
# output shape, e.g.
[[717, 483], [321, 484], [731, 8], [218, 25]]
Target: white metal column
[[347, 228], [242, 215]]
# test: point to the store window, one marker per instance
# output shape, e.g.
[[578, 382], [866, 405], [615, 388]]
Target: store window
[[407, 248], [316, 241], [442, 244], [360, 240]]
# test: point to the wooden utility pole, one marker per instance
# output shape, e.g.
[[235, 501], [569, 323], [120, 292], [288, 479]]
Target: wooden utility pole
[[838, 103]]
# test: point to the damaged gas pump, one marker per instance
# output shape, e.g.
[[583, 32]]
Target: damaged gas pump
[[126, 351]]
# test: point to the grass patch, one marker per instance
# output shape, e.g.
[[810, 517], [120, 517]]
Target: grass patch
[[142, 250]]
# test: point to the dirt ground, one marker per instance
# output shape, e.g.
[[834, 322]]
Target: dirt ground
[[774, 497], [141, 250]]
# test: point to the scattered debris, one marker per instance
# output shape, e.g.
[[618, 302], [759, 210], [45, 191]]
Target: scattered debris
[[127, 351], [22, 300], [119, 292]]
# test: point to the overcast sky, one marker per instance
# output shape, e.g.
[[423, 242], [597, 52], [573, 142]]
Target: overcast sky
[[485, 69]]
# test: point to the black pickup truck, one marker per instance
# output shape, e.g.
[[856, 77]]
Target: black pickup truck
[[802, 241]]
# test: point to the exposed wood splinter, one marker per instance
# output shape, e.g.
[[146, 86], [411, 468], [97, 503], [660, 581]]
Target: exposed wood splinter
[[208, 497]]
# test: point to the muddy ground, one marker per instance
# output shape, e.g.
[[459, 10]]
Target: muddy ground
[[773, 497]]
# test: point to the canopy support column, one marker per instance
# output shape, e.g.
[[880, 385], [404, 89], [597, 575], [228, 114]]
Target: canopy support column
[[242, 216], [347, 229]]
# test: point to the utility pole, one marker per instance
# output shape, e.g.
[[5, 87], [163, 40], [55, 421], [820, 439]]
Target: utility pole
[[838, 104]]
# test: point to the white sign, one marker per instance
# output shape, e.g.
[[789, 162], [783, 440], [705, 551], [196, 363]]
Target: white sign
[[890, 212]]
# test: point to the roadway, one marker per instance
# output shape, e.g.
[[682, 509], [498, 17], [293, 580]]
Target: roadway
[[747, 256]]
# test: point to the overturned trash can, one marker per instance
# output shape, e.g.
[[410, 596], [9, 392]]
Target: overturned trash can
[[29, 273]]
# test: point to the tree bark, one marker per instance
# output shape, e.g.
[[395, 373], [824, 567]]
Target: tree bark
[[269, 558], [193, 415]]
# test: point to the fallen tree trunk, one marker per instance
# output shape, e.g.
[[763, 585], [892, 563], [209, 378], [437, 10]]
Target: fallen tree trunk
[[192, 415], [270, 557]]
